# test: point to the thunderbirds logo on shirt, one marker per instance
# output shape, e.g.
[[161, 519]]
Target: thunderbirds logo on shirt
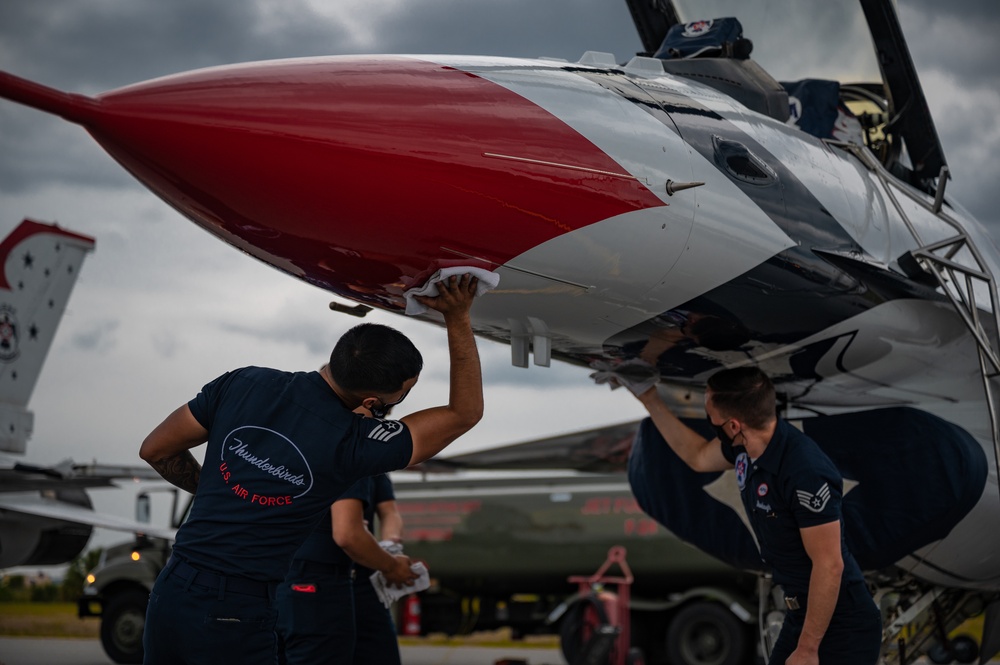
[[815, 502], [264, 467], [741, 470]]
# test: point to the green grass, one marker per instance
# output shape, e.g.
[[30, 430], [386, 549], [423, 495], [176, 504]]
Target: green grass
[[22, 619]]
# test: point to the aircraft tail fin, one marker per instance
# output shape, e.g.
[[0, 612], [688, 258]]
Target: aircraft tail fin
[[40, 263]]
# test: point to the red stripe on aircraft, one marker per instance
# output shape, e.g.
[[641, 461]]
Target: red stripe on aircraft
[[352, 173], [26, 229]]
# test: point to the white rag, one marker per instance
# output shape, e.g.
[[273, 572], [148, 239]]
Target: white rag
[[390, 594], [391, 546], [487, 282], [637, 375]]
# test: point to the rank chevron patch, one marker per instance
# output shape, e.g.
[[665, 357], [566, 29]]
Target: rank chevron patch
[[815, 502]]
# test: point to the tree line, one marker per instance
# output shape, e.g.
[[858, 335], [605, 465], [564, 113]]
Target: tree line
[[16, 588]]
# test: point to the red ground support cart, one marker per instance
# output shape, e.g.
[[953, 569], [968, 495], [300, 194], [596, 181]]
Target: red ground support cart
[[596, 630]]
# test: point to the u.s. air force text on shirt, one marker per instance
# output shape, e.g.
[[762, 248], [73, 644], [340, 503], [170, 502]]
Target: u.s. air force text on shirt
[[282, 448]]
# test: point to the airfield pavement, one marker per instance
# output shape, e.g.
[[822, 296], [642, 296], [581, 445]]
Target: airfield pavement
[[50, 651], [54, 651]]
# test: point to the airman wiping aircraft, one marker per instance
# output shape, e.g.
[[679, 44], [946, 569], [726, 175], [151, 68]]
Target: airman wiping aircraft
[[671, 215], [46, 515]]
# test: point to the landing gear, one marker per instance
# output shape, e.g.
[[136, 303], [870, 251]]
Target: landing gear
[[121, 626], [705, 633], [961, 649]]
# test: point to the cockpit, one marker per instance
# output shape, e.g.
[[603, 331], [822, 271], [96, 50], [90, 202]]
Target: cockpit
[[838, 70]]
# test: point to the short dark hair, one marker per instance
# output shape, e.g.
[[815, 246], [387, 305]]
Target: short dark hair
[[745, 393], [373, 357]]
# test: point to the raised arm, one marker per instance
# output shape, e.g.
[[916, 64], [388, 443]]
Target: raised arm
[[697, 452], [168, 449], [433, 429]]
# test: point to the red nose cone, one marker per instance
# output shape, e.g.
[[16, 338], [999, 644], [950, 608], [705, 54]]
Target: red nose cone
[[361, 175]]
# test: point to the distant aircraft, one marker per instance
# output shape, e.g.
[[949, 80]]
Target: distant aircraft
[[666, 217], [46, 516]]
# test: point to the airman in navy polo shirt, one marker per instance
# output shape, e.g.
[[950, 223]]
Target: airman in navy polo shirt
[[375, 634], [282, 447], [320, 618], [791, 492]]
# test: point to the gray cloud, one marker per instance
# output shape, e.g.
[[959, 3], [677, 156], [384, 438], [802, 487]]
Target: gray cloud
[[97, 337]]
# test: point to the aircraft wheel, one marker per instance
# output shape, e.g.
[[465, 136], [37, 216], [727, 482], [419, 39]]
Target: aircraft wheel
[[121, 626], [584, 633], [706, 633], [964, 649]]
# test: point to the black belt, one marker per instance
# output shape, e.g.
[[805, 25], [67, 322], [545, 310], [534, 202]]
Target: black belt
[[850, 592], [317, 568], [185, 571]]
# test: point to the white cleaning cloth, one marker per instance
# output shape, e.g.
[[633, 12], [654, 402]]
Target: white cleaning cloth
[[390, 594], [637, 375], [487, 281], [391, 546]]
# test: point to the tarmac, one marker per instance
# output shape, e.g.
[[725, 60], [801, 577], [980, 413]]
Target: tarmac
[[49, 651]]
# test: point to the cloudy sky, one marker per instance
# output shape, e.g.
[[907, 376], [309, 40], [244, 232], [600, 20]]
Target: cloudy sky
[[161, 307]]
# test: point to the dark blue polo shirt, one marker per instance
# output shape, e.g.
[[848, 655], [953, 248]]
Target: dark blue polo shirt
[[791, 486], [320, 546], [282, 448]]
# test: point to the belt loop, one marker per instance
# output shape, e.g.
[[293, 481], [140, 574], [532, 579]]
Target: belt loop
[[190, 580], [169, 568], [222, 587]]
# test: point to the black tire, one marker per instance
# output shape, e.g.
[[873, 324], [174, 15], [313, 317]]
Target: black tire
[[578, 625], [706, 633], [121, 626], [965, 649], [635, 657]]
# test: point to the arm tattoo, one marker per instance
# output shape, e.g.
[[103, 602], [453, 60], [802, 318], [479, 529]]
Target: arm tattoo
[[181, 470]]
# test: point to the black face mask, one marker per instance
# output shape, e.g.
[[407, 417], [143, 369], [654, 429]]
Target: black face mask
[[381, 412], [720, 431]]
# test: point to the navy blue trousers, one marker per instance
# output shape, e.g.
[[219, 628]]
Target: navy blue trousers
[[376, 633], [316, 616], [853, 638], [208, 622]]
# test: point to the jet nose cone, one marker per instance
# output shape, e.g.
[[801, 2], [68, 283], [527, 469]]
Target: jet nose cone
[[362, 174]]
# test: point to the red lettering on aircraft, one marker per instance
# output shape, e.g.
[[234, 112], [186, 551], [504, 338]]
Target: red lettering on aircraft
[[428, 534], [642, 526], [607, 505], [458, 507]]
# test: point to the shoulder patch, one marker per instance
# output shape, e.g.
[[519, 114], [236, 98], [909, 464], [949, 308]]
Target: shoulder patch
[[385, 430], [815, 502]]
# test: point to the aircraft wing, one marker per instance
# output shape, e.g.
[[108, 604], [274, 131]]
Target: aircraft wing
[[34, 505], [599, 450], [67, 474]]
